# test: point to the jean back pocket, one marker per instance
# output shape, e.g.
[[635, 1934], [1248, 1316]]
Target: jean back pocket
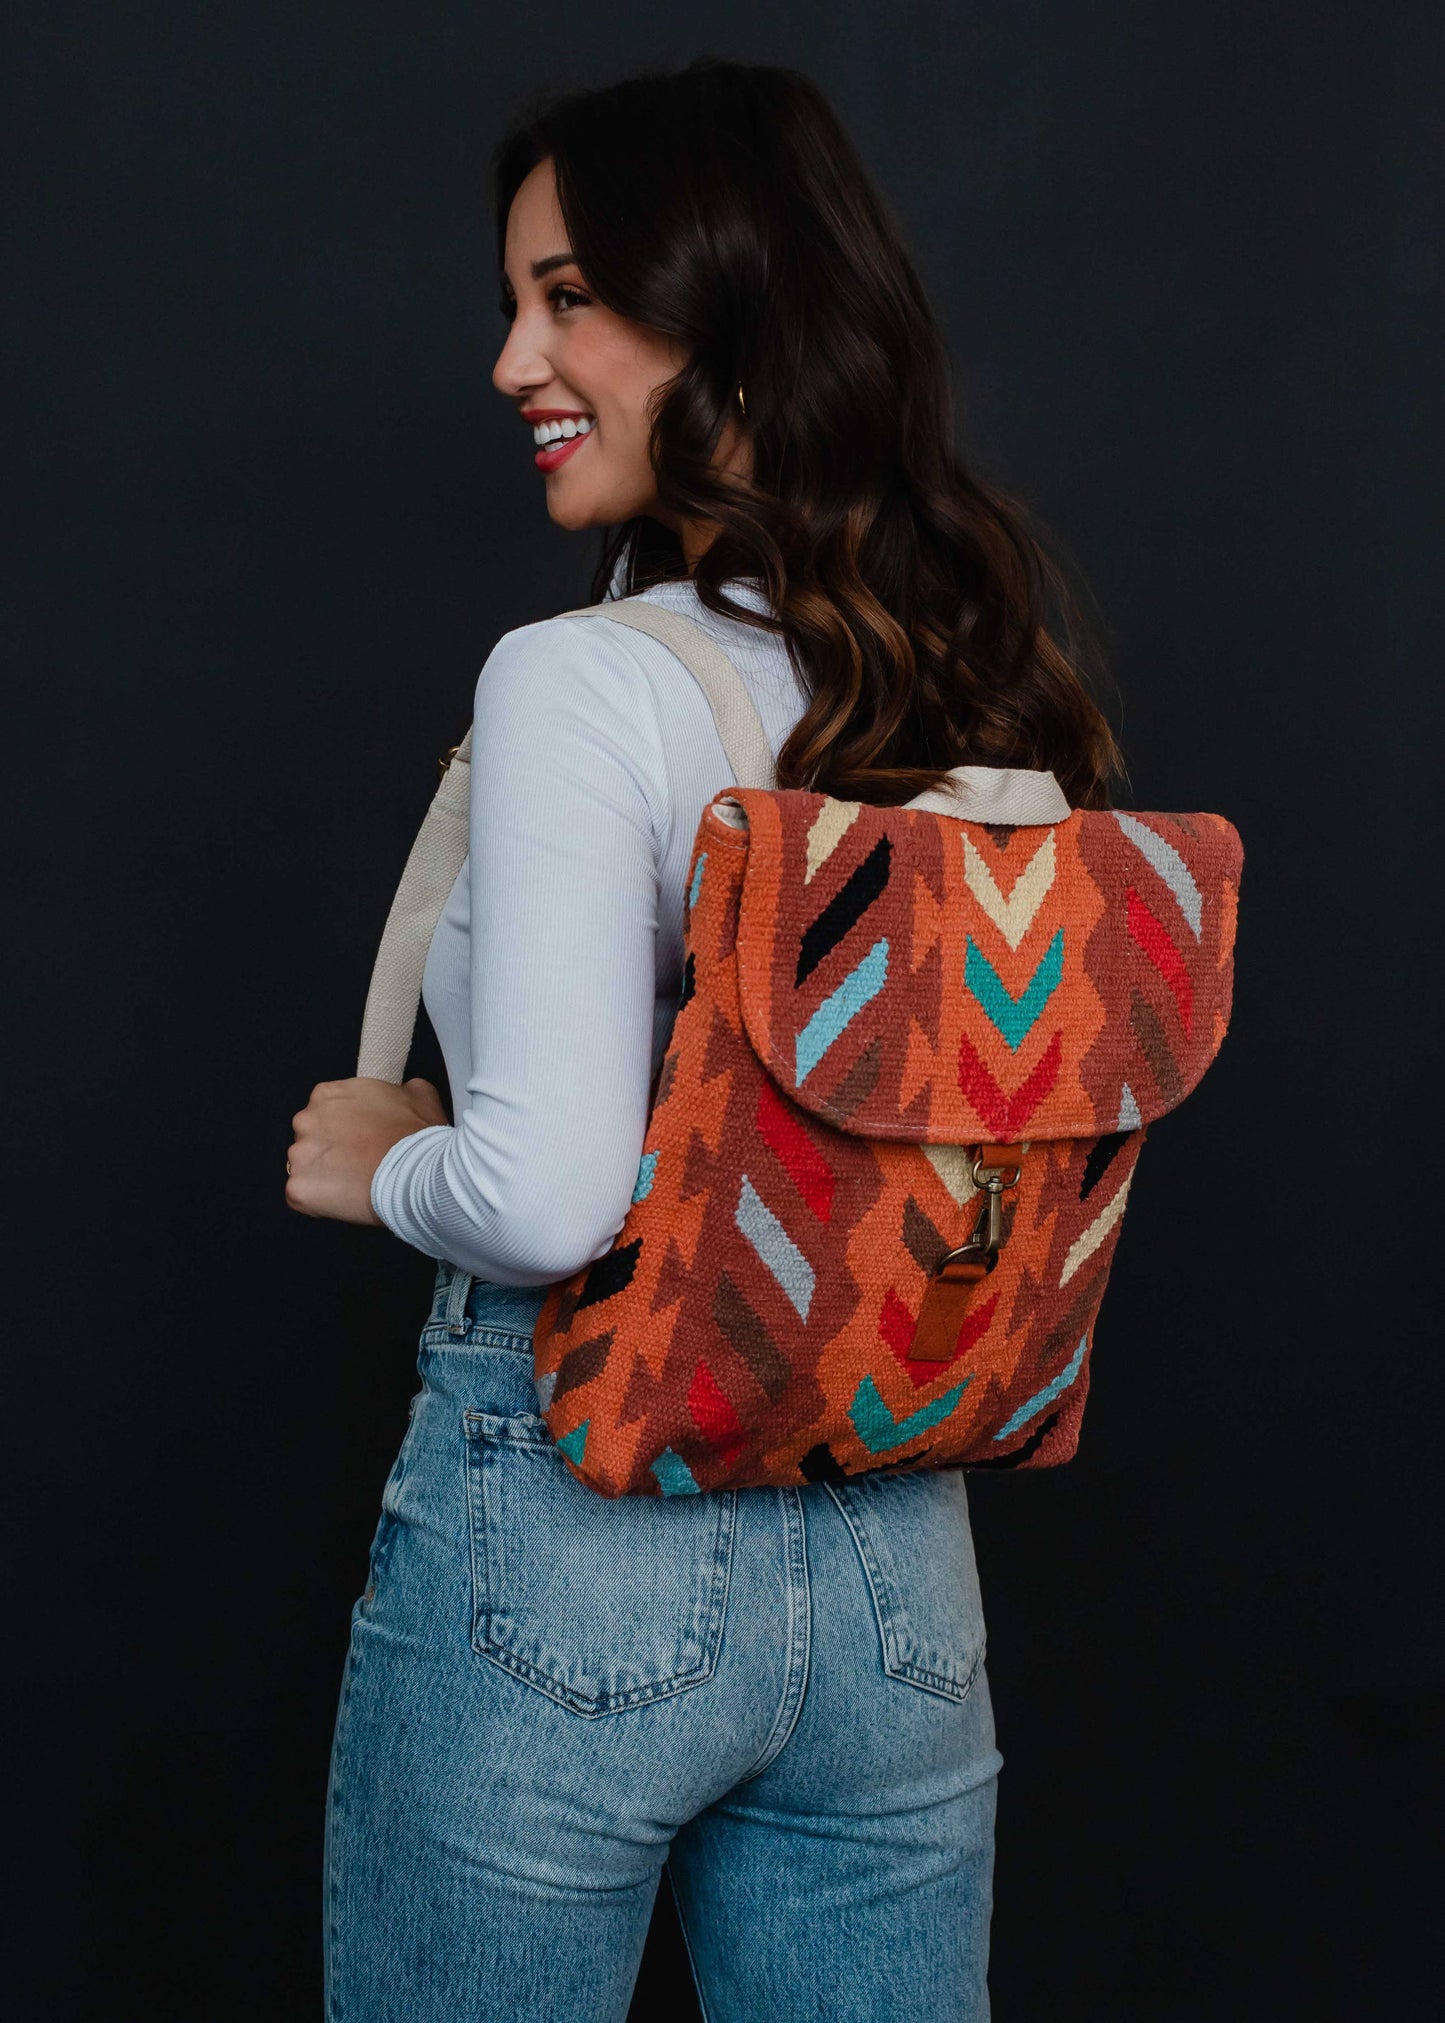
[[600, 1603], [913, 1537]]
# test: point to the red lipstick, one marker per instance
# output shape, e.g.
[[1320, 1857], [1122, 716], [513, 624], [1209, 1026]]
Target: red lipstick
[[557, 453], [553, 454]]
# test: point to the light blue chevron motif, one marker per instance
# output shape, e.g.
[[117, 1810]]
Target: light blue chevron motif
[[1014, 1016], [876, 1426], [573, 1443], [775, 1247], [1171, 867], [836, 1012], [646, 1168], [674, 1477], [696, 885], [1036, 1404]]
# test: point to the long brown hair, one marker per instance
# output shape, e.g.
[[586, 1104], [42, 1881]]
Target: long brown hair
[[724, 205]]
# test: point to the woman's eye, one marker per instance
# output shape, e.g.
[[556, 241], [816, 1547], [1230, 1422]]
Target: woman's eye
[[562, 296]]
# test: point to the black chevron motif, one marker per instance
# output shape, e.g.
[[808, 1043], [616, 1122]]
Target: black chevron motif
[[821, 1464], [1028, 1450], [1100, 1159], [610, 1274], [845, 909]]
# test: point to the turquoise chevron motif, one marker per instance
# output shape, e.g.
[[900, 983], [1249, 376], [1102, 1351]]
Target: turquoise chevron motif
[[1048, 1394], [836, 1012], [876, 1426], [1014, 1016], [572, 1444], [646, 1168], [674, 1477], [696, 885]]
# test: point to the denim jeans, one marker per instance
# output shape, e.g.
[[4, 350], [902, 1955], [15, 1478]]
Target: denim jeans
[[779, 1693]]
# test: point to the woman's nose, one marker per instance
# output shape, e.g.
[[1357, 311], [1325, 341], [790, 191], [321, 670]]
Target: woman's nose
[[521, 363]]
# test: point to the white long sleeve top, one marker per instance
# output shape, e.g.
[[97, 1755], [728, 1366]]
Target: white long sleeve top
[[553, 976]]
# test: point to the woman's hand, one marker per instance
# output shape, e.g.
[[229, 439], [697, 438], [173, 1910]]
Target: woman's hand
[[342, 1136]]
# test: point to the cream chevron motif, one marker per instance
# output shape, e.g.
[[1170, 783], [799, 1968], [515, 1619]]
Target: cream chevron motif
[[1014, 916], [1083, 1248], [954, 1166], [835, 819]]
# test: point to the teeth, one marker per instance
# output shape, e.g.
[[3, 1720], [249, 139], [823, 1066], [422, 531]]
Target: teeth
[[559, 431]]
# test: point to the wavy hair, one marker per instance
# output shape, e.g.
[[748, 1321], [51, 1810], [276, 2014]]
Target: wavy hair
[[724, 205]]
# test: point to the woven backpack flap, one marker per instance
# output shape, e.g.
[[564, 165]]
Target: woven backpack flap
[[891, 1142]]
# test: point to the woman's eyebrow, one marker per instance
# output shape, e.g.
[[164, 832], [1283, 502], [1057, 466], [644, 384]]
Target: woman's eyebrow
[[541, 267]]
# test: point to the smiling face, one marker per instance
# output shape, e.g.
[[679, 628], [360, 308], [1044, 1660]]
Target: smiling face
[[570, 364]]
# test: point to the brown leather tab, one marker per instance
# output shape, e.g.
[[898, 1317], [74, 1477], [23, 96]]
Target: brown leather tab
[[945, 1305], [1001, 1155]]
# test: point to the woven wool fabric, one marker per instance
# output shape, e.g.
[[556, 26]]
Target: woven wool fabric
[[871, 994]]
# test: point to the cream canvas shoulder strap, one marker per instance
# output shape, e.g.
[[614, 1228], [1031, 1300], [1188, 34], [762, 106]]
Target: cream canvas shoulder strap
[[441, 846], [739, 729]]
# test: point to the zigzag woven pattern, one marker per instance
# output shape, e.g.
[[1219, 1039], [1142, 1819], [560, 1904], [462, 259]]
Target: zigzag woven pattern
[[869, 994]]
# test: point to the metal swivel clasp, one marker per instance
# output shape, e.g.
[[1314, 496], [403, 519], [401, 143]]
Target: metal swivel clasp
[[996, 1169]]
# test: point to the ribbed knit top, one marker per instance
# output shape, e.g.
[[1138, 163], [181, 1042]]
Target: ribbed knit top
[[554, 973]]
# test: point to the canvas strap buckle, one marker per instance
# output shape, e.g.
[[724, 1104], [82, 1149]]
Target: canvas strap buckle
[[996, 1169]]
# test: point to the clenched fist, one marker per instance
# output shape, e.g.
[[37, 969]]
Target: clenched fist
[[342, 1136]]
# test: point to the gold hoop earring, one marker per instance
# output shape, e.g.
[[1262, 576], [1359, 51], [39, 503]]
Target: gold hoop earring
[[741, 402]]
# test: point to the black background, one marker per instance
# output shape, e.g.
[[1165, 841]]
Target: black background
[[273, 519]]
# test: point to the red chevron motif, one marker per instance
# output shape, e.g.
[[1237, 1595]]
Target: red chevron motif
[[802, 1161], [1005, 1115], [716, 1419], [1153, 937], [896, 1327]]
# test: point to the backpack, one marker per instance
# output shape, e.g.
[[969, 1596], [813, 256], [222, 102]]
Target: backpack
[[894, 1132]]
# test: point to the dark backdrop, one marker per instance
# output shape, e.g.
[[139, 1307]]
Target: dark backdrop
[[274, 518]]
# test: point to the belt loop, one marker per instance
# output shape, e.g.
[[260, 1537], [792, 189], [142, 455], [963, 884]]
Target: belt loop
[[462, 1282]]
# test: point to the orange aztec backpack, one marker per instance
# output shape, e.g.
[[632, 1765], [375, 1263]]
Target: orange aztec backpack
[[893, 1134]]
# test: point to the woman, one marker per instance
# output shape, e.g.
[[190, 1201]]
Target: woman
[[725, 358]]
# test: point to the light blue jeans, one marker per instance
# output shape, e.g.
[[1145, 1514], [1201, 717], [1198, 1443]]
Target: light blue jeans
[[777, 1692]]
